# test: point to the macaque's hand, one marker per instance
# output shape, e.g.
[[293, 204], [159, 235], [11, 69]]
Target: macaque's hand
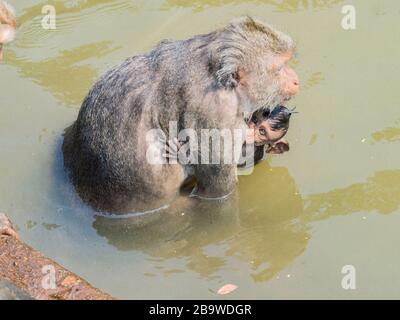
[[171, 149], [279, 147]]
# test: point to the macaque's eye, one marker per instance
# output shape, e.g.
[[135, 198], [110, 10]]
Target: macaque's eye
[[278, 70], [281, 67], [262, 132]]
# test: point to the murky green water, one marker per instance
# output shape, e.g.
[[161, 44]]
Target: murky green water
[[298, 219]]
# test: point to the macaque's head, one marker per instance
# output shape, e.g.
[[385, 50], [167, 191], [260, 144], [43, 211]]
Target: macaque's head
[[269, 126], [8, 25], [254, 59]]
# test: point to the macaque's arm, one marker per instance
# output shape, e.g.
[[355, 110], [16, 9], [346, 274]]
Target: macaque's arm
[[222, 114], [215, 181], [171, 149]]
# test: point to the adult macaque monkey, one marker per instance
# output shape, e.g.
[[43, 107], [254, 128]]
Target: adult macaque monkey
[[8, 25], [211, 81]]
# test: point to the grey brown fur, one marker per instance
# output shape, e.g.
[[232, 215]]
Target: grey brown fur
[[208, 81]]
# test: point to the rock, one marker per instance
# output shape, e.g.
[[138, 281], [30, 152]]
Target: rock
[[6, 227], [69, 281], [23, 269], [10, 292]]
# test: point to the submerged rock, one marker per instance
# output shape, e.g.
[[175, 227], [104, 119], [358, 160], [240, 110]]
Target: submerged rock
[[10, 292], [33, 273]]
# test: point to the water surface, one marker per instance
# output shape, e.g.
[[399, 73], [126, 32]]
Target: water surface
[[333, 200]]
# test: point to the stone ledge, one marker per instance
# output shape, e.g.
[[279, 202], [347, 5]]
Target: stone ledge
[[23, 272]]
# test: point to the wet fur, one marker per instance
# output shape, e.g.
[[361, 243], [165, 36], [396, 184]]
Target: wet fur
[[202, 83]]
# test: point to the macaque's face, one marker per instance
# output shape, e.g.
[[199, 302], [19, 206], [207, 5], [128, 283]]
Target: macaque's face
[[286, 77], [264, 134], [271, 82]]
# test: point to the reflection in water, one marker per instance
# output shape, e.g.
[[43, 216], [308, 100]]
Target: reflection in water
[[381, 193], [314, 79], [269, 223], [313, 139], [63, 76], [240, 227], [267, 236], [181, 232], [389, 134], [77, 7], [280, 5], [270, 237], [50, 226]]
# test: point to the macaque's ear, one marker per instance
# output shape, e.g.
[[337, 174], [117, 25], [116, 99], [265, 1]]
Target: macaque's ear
[[6, 33], [241, 77], [227, 78], [230, 79]]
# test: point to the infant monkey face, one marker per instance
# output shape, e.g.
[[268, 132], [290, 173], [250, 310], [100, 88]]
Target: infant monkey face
[[265, 134], [269, 126]]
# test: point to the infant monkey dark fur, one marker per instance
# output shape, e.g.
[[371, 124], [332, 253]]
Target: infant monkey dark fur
[[270, 126]]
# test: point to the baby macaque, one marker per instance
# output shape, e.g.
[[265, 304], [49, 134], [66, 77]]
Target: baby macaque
[[269, 128], [8, 25]]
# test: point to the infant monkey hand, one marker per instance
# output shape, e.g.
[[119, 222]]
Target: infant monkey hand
[[278, 147]]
